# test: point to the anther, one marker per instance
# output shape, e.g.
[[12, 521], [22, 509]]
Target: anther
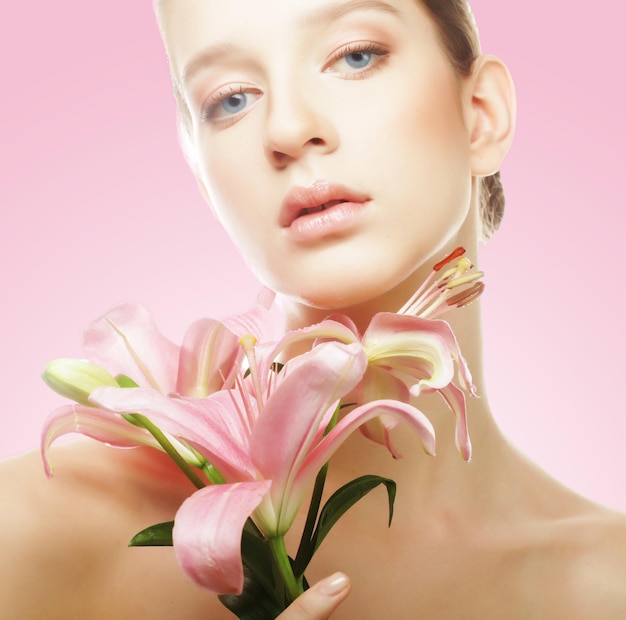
[[448, 259]]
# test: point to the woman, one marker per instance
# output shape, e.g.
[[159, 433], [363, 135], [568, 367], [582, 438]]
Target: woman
[[362, 109], [385, 106]]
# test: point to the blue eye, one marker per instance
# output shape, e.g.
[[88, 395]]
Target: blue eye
[[359, 59], [229, 104], [234, 103]]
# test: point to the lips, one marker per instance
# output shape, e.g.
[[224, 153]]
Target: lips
[[319, 196]]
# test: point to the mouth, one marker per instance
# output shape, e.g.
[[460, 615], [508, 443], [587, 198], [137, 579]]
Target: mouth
[[323, 207], [315, 198]]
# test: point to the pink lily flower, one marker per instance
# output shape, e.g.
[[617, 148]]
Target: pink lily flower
[[268, 442], [126, 341], [410, 352], [413, 349], [408, 356]]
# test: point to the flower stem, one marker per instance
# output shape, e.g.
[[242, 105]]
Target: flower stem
[[211, 472], [142, 421], [279, 551], [306, 541]]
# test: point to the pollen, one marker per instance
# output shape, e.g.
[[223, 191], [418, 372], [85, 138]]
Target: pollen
[[247, 341], [458, 252]]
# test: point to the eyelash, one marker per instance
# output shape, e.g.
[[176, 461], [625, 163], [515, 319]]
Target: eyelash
[[360, 48], [209, 111]]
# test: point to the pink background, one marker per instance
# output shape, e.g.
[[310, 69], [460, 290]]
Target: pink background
[[98, 207]]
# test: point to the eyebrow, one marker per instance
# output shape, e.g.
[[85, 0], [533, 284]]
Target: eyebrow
[[209, 55], [319, 17], [328, 14]]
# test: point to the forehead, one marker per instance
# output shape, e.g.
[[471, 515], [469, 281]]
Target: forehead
[[189, 25]]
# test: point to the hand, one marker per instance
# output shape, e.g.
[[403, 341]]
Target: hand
[[319, 601]]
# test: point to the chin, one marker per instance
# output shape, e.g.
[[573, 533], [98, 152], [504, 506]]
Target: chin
[[360, 276], [350, 293]]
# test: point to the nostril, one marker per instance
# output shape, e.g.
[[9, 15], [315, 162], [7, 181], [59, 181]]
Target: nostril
[[280, 159], [317, 141]]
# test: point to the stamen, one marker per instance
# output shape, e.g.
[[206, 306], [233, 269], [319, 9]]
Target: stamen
[[468, 296], [425, 305], [248, 342], [246, 419], [448, 259], [416, 297], [435, 297], [465, 279]]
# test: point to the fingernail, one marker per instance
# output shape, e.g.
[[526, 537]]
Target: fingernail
[[333, 585]]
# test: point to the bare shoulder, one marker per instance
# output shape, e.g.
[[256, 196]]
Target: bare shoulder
[[65, 540], [589, 553], [602, 567]]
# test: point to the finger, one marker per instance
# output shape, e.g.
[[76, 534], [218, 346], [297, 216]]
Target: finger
[[320, 601]]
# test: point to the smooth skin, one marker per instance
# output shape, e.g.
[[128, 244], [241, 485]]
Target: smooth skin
[[281, 94], [65, 541]]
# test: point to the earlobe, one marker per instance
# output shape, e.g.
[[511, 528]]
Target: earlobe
[[491, 108]]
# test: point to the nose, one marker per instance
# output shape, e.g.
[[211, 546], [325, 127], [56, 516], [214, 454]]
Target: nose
[[297, 122]]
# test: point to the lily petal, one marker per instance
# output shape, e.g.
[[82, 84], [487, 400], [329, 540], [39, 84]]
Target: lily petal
[[127, 341], [352, 420], [403, 412], [378, 384], [207, 533], [256, 321], [292, 415], [325, 330], [456, 401], [208, 359], [411, 345], [97, 424], [378, 430], [208, 424]]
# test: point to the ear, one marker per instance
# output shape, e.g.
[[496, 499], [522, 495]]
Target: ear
[[490, 109]]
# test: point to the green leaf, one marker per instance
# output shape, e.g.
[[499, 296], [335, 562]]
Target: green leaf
[[254, 603], [302, 555], [159, 535], [257, 556], [263, 596], [338, 504]]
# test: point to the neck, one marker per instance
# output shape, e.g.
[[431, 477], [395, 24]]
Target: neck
[[444, 484], [298, 314], [443, 493], [446, 478]]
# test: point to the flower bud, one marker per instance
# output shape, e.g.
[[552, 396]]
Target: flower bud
[[76, 379]]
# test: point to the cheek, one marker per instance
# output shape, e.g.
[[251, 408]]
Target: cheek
[[244, 202], [230, 176], [422, 151], [431, 123]]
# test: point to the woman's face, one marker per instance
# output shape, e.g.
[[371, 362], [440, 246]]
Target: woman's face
[[330, 138]]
